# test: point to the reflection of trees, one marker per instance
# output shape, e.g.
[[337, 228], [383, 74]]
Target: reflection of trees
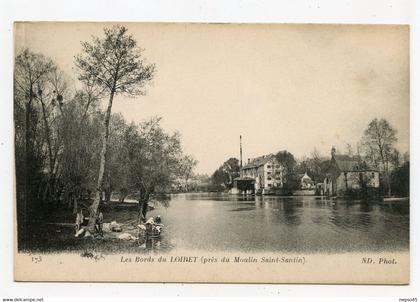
[[150, 244], [365, 207], [401, 208], [340, 216], [285, 207], [291, 216], [352, 216], [364, 216], [163, 199]]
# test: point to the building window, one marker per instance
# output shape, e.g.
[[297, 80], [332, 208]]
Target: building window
[[268, 178], [268, 173], [270, 185], [268, 166]]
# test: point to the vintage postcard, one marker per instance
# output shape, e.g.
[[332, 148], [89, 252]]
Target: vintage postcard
[[240, 153]]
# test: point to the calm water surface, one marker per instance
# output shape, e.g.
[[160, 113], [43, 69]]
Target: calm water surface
[[220, 222]]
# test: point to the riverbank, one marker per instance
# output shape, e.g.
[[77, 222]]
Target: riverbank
[[54, 229], [325, 198], [396, 199]]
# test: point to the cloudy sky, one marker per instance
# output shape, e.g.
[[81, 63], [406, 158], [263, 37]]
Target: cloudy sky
[[283, 87]]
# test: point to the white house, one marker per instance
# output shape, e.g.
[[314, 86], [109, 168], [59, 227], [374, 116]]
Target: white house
[[266, 172]]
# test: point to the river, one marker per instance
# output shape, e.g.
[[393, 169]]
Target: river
[[222, 222]]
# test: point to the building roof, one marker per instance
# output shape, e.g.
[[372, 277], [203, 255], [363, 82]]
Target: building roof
[[350, 163], [258, 161], [305, 176]]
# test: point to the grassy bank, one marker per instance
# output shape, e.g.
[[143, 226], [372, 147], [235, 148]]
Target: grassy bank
[[52, 230]]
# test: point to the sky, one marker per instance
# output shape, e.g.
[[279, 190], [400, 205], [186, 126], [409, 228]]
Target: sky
[[282, 87]]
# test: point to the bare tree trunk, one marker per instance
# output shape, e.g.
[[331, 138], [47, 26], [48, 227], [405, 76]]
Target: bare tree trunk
[[140, 217], [70, 199], [108, 193], [123, 195], [388, 179], [48, 138], [28, 167], [142, 210], [143, 206], [345, 179], [46, 190], [96, 202], [40, 187], [65, 196], [75, 206], [87, 107]]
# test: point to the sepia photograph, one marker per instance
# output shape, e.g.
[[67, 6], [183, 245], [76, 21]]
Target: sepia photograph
[[212, 152]]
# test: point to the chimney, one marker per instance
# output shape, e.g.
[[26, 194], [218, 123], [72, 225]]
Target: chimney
[[249, 160]]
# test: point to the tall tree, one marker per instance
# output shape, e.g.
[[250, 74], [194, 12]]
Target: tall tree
[[115, 64], [153, 157], [290, 179], [287, 160], [187, 165], [50, 96], [400, 180], [31, 71], [116, 168], [378, 141], [226, 173], [81, 140]]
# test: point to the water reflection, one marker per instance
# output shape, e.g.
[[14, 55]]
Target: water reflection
[[268, 223], [150, 244], [350, 217], [290, 214], [162, 199]]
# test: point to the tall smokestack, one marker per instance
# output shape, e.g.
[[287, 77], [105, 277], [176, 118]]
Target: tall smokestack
[[240, 147]]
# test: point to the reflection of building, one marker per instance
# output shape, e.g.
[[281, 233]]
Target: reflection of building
[[320, 188], [262, 175], [349, 175]]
